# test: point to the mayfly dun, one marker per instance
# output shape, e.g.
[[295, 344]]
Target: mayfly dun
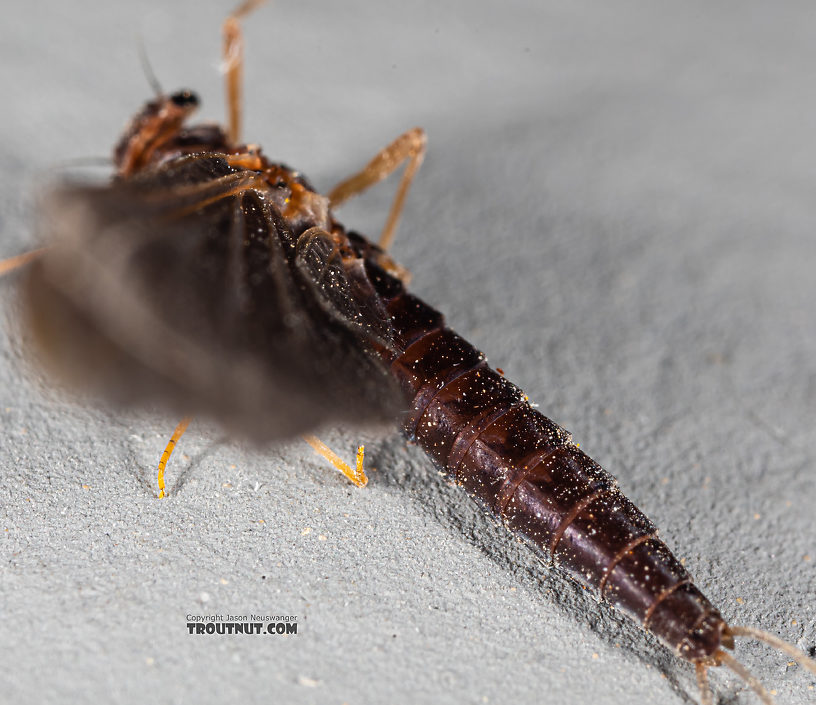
[[215, 280]]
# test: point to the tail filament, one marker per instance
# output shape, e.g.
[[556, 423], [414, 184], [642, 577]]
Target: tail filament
[[723, 658]]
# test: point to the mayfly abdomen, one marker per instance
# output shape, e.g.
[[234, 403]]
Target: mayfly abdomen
[[483, 434]]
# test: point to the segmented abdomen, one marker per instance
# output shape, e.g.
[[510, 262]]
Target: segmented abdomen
[[483, 434]]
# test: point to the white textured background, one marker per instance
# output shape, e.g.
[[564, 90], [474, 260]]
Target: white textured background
[[617, 206]]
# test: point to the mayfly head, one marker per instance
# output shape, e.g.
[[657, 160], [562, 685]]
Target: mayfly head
[[157, 123], [185, 99]]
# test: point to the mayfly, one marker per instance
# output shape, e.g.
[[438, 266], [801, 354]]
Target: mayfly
[[218, 281]]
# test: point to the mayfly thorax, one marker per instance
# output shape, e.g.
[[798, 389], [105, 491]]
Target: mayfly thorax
[[218, 281]]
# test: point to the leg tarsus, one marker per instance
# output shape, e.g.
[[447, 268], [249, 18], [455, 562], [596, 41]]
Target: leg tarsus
[[409, 146], [356, 475], [168, 451]]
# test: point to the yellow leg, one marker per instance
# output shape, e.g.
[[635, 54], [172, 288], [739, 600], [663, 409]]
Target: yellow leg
[[408, 146], [357, 476], [168, 451], [12, 263]]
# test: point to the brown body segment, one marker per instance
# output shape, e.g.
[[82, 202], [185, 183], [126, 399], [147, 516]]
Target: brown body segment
[[483, 434]]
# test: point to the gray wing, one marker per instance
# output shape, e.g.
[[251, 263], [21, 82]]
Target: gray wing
[[184, 288]]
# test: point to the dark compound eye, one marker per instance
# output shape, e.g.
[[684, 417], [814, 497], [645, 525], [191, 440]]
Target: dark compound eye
[[185, 99]]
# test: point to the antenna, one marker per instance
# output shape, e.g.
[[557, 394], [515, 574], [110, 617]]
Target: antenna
[[150, 75]]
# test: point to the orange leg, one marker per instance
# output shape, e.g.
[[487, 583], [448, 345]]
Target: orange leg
[[234, 66], [168, 451], [409, 146], [12, 263], [357, 475]]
